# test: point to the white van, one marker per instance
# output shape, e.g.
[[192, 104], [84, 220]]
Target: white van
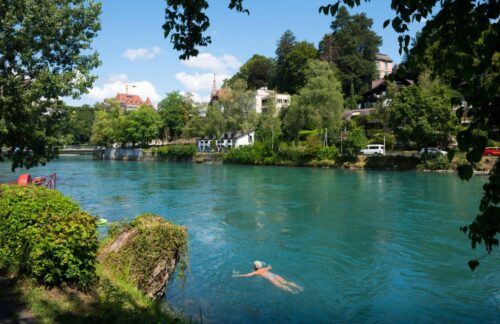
[[374, 149]]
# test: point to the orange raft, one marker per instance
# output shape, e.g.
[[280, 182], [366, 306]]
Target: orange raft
[[49, 182]]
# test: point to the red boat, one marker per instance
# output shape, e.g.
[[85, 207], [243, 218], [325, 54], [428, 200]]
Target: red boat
[[45, 181]]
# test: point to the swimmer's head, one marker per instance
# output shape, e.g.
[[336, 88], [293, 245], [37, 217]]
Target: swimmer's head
[[257, 265]]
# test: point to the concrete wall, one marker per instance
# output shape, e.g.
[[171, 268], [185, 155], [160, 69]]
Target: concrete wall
[[123, 154]]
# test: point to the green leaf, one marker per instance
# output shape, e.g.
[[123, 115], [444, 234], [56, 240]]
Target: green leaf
[[473, 264], [387, 22], [465, 171]]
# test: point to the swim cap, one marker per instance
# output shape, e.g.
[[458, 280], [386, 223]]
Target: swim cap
[[257, 264]]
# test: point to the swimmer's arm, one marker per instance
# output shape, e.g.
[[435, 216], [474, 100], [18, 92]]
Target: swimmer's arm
[[246, 274]]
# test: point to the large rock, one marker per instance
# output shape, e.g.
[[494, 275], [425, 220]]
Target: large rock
[[146, 251]]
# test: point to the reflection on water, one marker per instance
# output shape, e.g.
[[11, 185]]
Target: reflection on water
[[366, 246]]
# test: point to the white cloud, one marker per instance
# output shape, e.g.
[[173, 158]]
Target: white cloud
[[200, 82], [225, 64], [117, 84], [141, 53]]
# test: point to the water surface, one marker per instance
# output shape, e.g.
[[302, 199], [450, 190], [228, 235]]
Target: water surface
[[366, 245]]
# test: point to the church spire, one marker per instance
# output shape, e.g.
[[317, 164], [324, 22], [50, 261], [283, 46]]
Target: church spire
[[214, 87]]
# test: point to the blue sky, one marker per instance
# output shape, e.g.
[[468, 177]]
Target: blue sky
[[133, 50]]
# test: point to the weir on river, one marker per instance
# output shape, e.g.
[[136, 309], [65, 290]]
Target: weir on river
[[365, 245]]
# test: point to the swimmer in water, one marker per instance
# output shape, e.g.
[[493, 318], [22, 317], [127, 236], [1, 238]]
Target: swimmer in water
[[276, 280]]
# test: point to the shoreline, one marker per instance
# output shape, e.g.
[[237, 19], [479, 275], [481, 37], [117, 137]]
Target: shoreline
[[361, 162]]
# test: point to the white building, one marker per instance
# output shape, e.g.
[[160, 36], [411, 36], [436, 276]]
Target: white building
[[227, 141], [265, 98], [384, 65]]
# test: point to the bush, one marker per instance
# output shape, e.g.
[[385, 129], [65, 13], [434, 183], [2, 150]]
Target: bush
[[243, 155], [328, 153], [434, 162], [44, 235], [296, 153], [176, 151]]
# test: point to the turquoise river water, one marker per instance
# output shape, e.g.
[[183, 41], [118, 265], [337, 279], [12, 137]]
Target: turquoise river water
[[367, 246]]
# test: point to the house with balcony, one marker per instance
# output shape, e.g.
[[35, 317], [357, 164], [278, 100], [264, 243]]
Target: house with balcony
[[265, 98]]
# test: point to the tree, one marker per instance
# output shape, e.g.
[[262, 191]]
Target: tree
[[352, 47], [323, 93], [290, 75], [175, 111], [78, 123], [45, 54], [423, 114], [196, 125], [257, 72], [318, 105], [268, 129], [215, 123], [106, 124], [141, 126], [239, 112], [356, 140], [284, 46]]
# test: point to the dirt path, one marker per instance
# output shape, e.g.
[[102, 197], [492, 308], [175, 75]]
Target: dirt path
[[12, 308]]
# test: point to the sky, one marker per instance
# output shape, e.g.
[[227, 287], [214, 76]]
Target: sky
[[133, 49]]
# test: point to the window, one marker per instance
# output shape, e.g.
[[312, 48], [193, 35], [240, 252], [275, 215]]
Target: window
[[386, 66]]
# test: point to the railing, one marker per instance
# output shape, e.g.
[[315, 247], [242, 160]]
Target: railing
[[51, 181]]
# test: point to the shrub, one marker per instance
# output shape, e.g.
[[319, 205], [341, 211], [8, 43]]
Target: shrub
[[243, 155], [176, 151], [434, 162], [44, 235], [328, 153], [296, 153], [356, 140]]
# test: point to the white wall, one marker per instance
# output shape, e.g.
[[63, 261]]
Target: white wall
[[246, 139]]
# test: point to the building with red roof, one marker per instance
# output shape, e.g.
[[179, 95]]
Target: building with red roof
[[131, 101]]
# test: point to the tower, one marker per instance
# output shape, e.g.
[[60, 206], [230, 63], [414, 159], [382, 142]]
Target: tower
[[214, 88]]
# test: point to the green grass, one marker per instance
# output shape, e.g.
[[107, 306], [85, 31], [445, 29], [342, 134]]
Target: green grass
[[113, 300]]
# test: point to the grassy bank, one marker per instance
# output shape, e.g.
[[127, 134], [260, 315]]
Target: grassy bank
[[113, 300], [329, 158]]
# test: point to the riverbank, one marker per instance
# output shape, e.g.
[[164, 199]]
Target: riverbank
[[393, 162]]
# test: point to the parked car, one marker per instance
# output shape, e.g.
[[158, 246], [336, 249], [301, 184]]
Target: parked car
[[492, 151], [374, 149], [433, 151]]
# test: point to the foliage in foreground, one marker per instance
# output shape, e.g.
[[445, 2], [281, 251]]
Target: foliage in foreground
[[45, 236], [45, 54], [113, 300]]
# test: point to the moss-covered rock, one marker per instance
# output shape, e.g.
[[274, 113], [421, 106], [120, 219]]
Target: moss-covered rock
[[146, 252]]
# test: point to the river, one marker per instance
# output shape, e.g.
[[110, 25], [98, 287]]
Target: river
[[365, 245]]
